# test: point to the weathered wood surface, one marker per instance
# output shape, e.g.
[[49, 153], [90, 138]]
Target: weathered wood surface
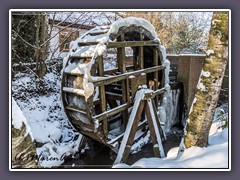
[[118, 87], [139, 44]]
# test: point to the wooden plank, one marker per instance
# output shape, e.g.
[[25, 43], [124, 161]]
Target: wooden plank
[[122, 68], [103, 102], [90, 109], [135, 59], [111, 79], [141, 54], [135, 82], [155, 63], [111, 112], [133, 131], [127, 90], [71, 108], [92, 135], [113, 96], [121, 56], [134, 86], [131, 44], [154, 93], [152, 131], [79, 92], [87, 43]]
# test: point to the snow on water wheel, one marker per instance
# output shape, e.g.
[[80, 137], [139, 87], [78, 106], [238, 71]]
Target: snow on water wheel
[[100, 79]]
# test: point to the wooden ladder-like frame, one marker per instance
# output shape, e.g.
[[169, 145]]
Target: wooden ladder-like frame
[[143, 104]]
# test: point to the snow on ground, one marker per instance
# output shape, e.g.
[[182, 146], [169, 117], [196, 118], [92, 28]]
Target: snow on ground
[[18, 119], [215, 155], [46, 119]]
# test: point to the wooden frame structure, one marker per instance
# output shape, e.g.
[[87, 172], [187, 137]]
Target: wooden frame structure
[[98, 117]]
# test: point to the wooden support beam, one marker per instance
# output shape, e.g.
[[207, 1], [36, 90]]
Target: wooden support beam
[[102, 92], [111, 79], [71, 108], [153, 94], [87, 43], [79, 92], [90, 110], [127, 90], [111, 112], [114, 96], [122, 68], [135, 59], [133, 132], [92, 135], [155, 129], [141, 54], [131, 44], [155, 63], [136, 81], [121, 56], [152, 131], [133, 125]]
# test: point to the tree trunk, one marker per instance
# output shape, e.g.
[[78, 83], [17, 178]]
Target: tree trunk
[[41, 51], [209, 85]]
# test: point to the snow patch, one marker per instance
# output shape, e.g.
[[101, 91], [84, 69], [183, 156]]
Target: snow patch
[[130, 21], [201, 86], [52, 155], [213, 156], [209, 52], [45, 119], [205, 73]]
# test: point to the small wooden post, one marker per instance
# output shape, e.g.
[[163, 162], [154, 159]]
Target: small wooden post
[[135, 60], [133, 132], [102, 93], [141, 54], [152, 131], [122, 68], [155, 63]]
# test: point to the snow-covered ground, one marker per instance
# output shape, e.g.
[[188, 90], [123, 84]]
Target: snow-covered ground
[[45, 117], [215, 155]]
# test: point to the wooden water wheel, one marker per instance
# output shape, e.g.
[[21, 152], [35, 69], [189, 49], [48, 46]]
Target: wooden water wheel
[[98, 100]]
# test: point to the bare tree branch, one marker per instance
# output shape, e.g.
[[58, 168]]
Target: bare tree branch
[[24, 40]]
